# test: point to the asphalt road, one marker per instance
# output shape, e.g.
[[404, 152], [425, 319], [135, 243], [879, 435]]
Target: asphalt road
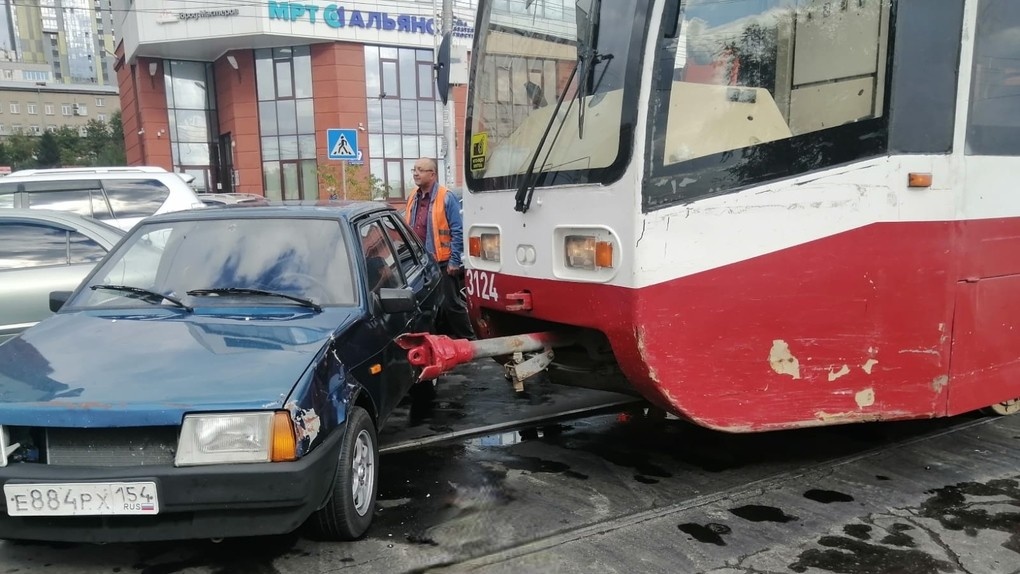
[[612, 493]]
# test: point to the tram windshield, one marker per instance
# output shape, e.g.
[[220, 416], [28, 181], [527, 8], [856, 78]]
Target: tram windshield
[[554, 92]]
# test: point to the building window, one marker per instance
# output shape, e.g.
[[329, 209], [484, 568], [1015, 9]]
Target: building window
[[100, 103], [36, 130], [15, 108], [81, 110], [16, 128], [3, 129], [102, 117], [287, 122], [48, 108], [31, 109], [404, 115], [191, 108], [65, 109], [83, 131]]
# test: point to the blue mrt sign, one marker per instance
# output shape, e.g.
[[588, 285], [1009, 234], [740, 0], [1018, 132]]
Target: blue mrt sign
[[343, 144]]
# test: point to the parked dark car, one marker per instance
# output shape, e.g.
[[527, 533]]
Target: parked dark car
[[43, 251], [222, 373]]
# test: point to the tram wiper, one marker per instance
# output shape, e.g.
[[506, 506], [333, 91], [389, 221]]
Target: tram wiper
[[587, 58], [527, 186]]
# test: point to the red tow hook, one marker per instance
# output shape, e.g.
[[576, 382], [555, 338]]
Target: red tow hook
[[438, 354]]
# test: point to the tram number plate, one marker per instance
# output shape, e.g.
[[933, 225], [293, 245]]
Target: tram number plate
[[481, 284], [82, 499]]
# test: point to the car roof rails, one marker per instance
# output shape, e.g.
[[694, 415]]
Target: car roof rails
[[73, 170]]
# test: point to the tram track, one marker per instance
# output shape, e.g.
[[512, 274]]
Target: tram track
[[756, 487]]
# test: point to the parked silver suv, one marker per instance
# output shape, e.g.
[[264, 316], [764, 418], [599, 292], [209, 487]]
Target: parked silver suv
[[120, 196]]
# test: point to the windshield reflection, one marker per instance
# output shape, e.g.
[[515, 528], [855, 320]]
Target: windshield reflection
[[299, 257], [528, 62]]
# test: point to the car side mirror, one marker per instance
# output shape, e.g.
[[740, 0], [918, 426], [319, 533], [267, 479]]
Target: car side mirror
[[57, 299], [396, 300]]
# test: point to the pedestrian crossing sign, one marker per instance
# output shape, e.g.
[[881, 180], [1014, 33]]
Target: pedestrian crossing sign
[[343, 144]]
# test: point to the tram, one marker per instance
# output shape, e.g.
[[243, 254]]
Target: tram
[[757, 214]]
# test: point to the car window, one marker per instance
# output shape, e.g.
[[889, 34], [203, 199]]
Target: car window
[[135, 197], [83, 249], [412, 240], [6, 198], [24, 245], [75, 196], [408, 260], [379, 259]]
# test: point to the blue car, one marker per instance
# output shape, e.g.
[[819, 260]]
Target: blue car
[[221, 373]]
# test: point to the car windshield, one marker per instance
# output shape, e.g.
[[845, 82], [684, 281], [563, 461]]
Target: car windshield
[[208, 262]]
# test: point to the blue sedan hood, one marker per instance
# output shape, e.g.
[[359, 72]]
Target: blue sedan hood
[[91, 369]]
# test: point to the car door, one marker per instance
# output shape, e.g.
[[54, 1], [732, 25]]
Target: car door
[[381, 269], [35, 259], [420, 272]]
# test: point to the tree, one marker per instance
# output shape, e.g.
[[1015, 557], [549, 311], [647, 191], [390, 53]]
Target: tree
[[70, 144], [96, 140], [21, 150], [48, 151], [359, 185], [113, 153]]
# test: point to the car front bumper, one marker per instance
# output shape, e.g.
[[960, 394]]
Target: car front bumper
[[216, 501]]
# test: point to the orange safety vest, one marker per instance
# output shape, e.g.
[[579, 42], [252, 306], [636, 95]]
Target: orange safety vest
[[441, 237]]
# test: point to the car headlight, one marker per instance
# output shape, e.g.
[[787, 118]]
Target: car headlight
[[226, 438]]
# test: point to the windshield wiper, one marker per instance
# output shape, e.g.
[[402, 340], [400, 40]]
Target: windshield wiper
[[145, 294], [527, 186], [257, 292]]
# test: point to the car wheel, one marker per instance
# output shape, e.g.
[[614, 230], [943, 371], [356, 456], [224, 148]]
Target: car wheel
[[348, 513]]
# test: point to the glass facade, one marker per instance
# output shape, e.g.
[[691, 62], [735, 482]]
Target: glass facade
[[405, 116], [287, 122], [193, 130]]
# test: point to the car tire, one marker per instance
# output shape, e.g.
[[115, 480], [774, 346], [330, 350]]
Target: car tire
[[348, 513]]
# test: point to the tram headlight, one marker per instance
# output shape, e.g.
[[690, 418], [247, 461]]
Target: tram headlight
[[483, 245], [489, 246], [587, 252]]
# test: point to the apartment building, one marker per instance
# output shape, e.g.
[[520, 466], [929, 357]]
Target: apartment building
[[73, 39], [34, 107]]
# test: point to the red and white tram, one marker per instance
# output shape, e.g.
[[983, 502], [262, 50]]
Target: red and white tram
[[758, 214]]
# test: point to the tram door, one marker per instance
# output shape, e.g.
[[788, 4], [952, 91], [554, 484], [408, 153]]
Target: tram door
[[985, 363]]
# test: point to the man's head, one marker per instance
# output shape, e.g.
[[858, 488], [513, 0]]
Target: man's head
[[425, 173]]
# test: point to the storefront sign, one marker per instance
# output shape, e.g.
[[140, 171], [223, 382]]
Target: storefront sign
[[336, 16], [168, 17]]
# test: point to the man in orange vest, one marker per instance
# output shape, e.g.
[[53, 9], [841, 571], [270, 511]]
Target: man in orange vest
[[434, 215]]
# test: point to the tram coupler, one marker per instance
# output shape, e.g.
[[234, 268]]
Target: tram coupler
[[439, 354]]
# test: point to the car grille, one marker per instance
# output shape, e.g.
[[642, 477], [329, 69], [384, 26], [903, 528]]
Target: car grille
[[111, 447]]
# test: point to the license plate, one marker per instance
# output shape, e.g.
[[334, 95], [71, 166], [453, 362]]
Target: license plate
[[82, 499]]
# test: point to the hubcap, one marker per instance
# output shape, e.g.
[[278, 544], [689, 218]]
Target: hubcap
[[363, 475], [1009, 407]]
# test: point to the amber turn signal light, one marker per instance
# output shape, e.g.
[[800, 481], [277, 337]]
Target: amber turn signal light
[[284, 441], [919, 179]]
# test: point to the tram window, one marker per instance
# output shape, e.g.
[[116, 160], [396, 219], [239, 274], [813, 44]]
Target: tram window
[[994, 120], [757, 89]]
